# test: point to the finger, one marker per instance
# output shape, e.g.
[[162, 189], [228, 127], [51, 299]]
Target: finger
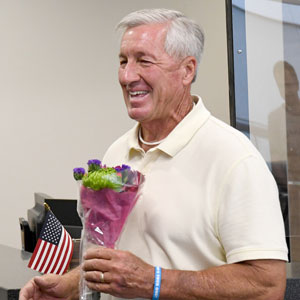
[[47, 281], [28, 291], [99, 287], [95, 276], [99, 252], [96, 265]]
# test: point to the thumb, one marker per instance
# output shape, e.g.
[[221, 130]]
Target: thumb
[[48, 281]]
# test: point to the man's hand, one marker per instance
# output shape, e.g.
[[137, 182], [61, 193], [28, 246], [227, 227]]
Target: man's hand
[[52, 287], [125, 275]]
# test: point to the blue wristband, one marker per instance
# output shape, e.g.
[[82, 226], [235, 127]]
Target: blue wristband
[[157, 281]]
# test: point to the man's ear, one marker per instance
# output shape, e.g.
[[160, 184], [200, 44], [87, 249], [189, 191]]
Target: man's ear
[[189, 65]]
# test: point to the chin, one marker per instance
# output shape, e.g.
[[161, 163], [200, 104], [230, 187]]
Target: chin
[[136, 117], [136, 114]]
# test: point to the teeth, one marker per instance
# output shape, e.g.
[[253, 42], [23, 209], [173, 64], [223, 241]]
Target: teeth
[[138, 93]]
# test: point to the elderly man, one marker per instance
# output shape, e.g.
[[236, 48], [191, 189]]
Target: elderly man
[[208, 223]]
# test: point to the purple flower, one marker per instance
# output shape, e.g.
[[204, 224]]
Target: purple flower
[[94, 165], [94, 162], [122, 168], [78, 173]]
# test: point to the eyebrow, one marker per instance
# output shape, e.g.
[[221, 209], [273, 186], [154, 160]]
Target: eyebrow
[[138, 54]]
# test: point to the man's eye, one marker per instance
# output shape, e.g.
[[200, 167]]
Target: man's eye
[[123, 62], [145, 62]]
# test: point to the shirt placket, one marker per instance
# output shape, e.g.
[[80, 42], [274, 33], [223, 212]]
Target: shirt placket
[[149, 158]]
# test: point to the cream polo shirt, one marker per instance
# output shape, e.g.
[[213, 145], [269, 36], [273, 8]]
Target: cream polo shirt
[[208, 198]]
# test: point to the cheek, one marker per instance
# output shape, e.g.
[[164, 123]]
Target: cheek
[[175, 82], [165, 83]]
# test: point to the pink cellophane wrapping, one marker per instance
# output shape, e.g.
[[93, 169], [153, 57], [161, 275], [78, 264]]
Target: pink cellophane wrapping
[[103, 214], [105, 211]]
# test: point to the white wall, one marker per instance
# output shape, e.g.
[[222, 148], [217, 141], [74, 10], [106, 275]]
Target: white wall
[[60, 100]]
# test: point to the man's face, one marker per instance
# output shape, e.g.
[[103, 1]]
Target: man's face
[[151, 80]]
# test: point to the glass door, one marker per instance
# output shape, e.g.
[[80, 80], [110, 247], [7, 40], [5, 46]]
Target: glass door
[[264, 55]]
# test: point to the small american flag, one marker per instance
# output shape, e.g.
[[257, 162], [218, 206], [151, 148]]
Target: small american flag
[[54, 249]]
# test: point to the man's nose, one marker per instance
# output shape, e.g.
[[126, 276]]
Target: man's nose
[[129, 73]]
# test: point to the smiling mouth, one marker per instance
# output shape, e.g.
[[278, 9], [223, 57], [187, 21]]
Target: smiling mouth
[[137, 94]]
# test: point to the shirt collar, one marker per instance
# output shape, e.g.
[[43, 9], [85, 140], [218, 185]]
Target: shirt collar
[[180, 136]]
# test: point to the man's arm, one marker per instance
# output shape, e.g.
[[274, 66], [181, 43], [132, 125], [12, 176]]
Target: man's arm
[[256, 279], [127, 276]]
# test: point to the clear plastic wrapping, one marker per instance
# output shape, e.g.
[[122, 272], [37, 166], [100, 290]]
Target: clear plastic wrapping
[[106, 198]]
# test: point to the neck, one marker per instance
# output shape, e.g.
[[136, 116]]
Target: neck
[[154, 143], [152, 134]]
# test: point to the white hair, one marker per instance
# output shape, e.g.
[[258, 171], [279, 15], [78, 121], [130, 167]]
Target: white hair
[[184, 36]]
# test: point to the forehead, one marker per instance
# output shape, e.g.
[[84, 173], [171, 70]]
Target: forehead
[[144, 38]]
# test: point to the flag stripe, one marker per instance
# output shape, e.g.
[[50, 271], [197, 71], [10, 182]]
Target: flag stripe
[[34, 255], [59, 271], [70, 256], [48, 257], [44, 258], [51, 261], [62, 255], [43, 254], [39, 254], [67, 256], [58, 250]]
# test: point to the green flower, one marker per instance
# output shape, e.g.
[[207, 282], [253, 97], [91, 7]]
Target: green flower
[[103, 178]]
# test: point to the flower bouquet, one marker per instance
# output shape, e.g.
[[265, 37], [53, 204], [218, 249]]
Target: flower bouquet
[[107, 196]]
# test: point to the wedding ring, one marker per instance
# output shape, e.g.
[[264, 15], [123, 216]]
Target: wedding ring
[[101, 277]]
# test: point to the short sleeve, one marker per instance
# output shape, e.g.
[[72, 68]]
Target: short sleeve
[[250, 223]]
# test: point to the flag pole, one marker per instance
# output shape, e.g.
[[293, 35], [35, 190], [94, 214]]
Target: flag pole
[[47, 207]]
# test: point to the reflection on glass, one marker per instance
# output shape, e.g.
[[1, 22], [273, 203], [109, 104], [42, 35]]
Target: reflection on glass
[[273, 72], [291, 40], [292, 109], [278, 143], [287, 174]]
